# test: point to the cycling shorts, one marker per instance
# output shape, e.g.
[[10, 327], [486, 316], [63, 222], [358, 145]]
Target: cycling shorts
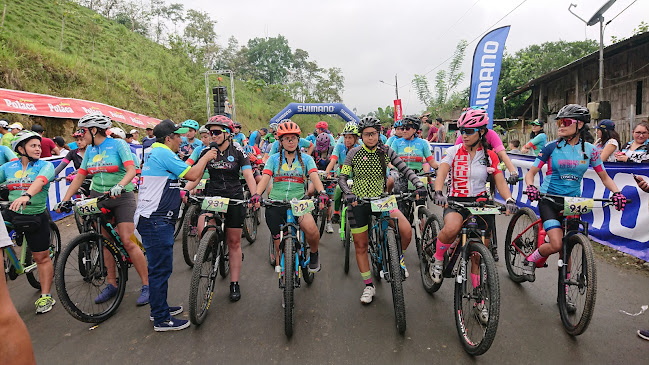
[[359, 217], [38, 239], [550, 213], [122, 207], [234, 216], [482, 220], [275, 217]]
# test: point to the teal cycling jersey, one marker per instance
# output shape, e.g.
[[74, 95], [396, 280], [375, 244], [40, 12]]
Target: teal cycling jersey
[[107, 163], [240, 138], [303, 144], [391, 139], [414, 152], [536, 144], [288, 181], [187, 148], [19, 181], [340, 153], [6, 155]]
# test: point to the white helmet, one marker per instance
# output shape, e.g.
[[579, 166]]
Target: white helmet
[[23, 136], [118, 132], [95, 120]]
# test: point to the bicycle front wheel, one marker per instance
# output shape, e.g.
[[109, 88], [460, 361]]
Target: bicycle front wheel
[[426, 247], [578, 287], [80, 276], [346, 244], [203, 279], [477, 304], [289, 285], [527, 242], [190, 234], [250, 221], [396, 280]]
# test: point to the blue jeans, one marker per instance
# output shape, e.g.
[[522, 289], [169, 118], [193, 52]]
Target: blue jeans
[[158, 240]]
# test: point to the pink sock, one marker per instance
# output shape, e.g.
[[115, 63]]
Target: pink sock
[[440, 249], [475, 280], [535, 256]]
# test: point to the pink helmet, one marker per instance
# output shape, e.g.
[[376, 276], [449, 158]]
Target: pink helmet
[[322, 125], [473, 118]]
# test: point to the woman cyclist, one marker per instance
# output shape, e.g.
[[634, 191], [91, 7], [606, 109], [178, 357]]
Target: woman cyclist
[[275, 147], [75, 156], [398, 132], [290, 170], [367, 166], [568, 159], [608, 141], [224, 181], [538, 138], [28, 179], [469, 164], [110, 163], [350, 140]]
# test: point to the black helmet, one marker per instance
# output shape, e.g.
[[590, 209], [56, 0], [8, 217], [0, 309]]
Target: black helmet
[[574, 111], [369, 122], [412, 121]]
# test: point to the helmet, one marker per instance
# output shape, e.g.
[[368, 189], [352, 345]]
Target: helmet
[[203, 130], [236, 124], [473, 118], [37, 128], [22, 137], [220, 120], [350, 128], [574, 111], [4, 123], [273, 127], [78, 133], [606, 124], [190, 123], [398, 123], [118, 132], [95, 120], [322, 142], [369, 122], [322, 125], [411, 120], [537, 122], [288, 127]]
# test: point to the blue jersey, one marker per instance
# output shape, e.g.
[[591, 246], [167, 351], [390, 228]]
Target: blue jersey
[[566, 166], [340, 153], [391, 139], [311, 138], [303, 144], [535, 144], [6, 155], [414, 152], [254, 136], [187, 148], [240, 138]]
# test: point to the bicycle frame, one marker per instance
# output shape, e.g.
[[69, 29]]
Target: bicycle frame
[[380, 229], [293, 230], [15, 262]]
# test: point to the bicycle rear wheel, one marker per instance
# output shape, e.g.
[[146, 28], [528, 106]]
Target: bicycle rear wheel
[[306, 254], [527, 242], [476, 332], [80, 276], [577, 291], [396, 280], [289, 285], [190, 234], [250, 221], [203, 279], [54, 249], [426, 247]]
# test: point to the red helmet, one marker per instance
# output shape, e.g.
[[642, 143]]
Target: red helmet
[[78, 133], [288, 127], [220, 120], [473, 118], [322, 125]]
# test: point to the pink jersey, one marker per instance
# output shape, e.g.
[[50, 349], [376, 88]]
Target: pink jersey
[[492, 138]]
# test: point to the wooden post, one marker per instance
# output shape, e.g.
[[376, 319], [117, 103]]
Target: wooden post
[[4, 10], [631, 122], [540, 109]]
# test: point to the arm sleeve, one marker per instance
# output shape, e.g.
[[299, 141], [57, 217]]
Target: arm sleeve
[[84, 164], [494, 140], [346, 171], [309, 164], [271, 165], [403, 169], [449, 156], [336, 154], [124, 152], [64, 163], [174, 164], [244, 161], [428, 156], [595, 161], [46, 173], [9, 154], [538, 140]]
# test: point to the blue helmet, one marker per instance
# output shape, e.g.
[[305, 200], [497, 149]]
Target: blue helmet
[[190, 123], [398, 123]]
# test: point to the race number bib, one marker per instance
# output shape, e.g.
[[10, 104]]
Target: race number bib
[[574, 206], [483, 210], [384, 205], [423, 179], [201, 184], [87, 207], [302, 207], [215, 204]]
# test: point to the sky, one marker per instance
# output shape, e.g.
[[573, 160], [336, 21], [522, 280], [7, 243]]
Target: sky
[[378, 39]]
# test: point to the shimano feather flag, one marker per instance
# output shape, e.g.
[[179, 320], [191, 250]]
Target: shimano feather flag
[[485, 72]]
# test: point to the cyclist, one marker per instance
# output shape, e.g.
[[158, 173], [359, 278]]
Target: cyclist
[[275, 147], [367, 165], [398, 132], [568, 158], [350, 135], [28, 179], [237, 136], [205, 138], [290, 170], [538, 138], [75, 156], [6, 155], [268, 139], [189, 142], [110, 163], [323, 148]]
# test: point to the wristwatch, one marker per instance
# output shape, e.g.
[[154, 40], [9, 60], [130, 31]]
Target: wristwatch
[[26, 194]]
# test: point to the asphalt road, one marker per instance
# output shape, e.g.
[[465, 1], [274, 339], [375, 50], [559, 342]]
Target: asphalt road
[[333, 327]]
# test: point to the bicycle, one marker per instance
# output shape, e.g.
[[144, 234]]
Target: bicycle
[[84, 193], [24, 264], [476, 340], [295, 255], [577, 279], [321, 216], [345, 231], [251, 220], [212, 256], [81, 274]]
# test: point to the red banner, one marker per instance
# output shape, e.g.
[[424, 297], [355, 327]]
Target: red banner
[[21, 102], [398, 112]]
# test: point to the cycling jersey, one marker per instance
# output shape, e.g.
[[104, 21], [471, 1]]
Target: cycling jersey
[[19, 181], [536, 143], [414, 152], [7, 138], [391, 139], [340, 153], [303, 144], [187, 148], [365, 167], [72, 156], [254, 138], [492, 137], [106, 163], [288, 181], [224, 172], [566, 166], [240, 138], [6, 155], [639, 155], [468, 176], [311, 138]]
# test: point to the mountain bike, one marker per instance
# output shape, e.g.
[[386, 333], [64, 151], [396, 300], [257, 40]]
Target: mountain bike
[[321, 216], [345, 231], [251, 220], [212, 256], [577, 279], [475, 331]]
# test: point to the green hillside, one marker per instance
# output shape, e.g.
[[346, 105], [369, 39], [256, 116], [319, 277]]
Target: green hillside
[[103, 61]]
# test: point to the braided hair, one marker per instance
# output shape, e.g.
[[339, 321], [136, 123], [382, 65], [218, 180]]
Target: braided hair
[[486, 146]]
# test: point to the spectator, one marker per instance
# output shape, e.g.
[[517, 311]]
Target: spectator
[[48, 147], [608, 141], [425, 125], [4, 128], [228, 108], [136, 136], [432, 133], [513, 146], [441, 130], [14, 129], [148, 140], [63, 147], [538, 138], [636, 150], [129, 138]]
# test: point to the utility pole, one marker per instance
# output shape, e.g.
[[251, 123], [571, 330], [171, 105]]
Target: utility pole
[[396, 88]]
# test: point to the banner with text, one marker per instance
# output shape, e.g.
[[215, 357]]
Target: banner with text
[[398, 110]]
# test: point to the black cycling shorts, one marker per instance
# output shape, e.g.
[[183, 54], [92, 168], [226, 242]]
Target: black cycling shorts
[[359, 217], [482, 220], [38, 239], [234, 216], [550, 213], [275, 217], [122, 207]]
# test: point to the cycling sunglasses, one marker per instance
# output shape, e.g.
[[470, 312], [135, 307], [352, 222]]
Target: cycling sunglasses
[[406, 127], [469, 131], [566, 122], [216, 132], [80, 131]]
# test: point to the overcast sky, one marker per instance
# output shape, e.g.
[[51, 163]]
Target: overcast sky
[[374, 40]]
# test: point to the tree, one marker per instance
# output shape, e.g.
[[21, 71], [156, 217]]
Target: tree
[[420, 83], [175, 13], [200, 35], [271, 58], [158, 10]]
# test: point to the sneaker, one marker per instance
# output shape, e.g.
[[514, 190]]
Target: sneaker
[[436, 271], [480, 310], [314, 262], [44, 304], [172, 311], [368, 294], [528, 270], [278, 269], [235, 292], [329, 228], [143, 299], [173, 324], [109, 291], [335, 219], [403, 266], [644, 334]]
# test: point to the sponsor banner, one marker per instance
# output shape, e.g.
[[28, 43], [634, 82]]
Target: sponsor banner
[[21, 102], [315, 108], [485, 72], [398, 110]]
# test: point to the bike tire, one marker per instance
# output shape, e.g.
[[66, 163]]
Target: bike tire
[[396, 280], [224, 259], [203, 278], [426, 247], [250, 221], [69, 277], [306, 254], [179, 222], [347, 244], [322, 218], [582, 266], [523, 218], [271, 252], [477, 342], [54, 248], [190, 234], [79, 221], [289, 285]]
